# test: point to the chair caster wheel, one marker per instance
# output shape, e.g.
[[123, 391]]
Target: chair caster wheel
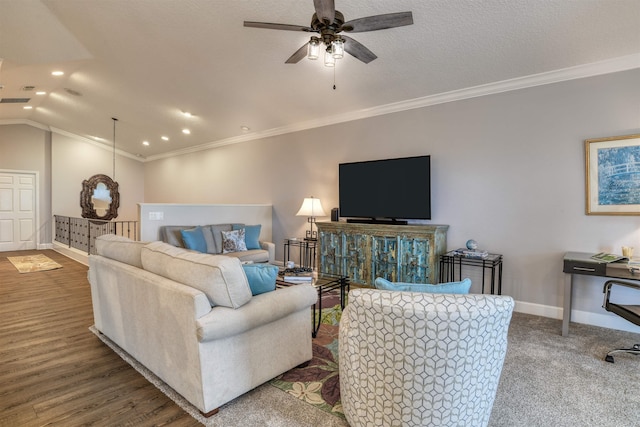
[[609, 358]]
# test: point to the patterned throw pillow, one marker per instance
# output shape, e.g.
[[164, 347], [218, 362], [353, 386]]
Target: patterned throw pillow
[[233, 241]]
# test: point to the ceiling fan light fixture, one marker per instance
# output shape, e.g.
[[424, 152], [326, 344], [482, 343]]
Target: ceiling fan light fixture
[[314, 48], [337, 48], [329, 60]]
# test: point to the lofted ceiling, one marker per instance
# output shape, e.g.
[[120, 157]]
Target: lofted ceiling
[[146, 62]]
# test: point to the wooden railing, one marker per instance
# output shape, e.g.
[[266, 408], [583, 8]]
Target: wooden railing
[[81, 233]]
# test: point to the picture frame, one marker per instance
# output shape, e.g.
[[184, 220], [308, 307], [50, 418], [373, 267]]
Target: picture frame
[[613, 175]]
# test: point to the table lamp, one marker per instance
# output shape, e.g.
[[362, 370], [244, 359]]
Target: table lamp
[[311, 208]]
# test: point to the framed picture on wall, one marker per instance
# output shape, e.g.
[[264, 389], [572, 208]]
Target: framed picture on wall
[[613, 175]]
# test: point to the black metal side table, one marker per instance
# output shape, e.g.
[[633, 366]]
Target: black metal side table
[[323, 283], [306, 251], [491, 262]]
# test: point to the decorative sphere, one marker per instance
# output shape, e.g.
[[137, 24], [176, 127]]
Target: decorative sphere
[[472, 245]]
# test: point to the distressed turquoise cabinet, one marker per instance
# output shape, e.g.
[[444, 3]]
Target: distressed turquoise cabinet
[[402, 253]]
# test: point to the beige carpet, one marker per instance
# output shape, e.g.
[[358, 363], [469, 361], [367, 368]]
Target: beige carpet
[[33, 263]]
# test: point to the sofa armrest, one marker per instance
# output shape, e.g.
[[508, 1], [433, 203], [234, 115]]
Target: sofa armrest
[[222, 322], [271, 248]]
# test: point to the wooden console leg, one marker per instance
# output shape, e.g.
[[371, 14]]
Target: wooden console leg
[[210, 413]]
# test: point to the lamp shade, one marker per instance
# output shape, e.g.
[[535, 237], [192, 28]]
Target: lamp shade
[[311, 207]]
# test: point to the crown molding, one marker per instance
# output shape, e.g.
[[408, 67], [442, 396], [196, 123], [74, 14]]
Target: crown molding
[[25, 122], [107, 147], [609, 66], [614, 65], [69, 134]]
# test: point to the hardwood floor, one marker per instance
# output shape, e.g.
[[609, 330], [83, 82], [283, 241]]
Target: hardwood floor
[[53, 370]]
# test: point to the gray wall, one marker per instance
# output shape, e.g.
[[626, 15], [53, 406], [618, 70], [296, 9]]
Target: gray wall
[[63, 162], [507, 170], [27, 148]]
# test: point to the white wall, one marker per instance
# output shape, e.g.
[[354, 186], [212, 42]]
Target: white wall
[[155, 215], [507, 170]]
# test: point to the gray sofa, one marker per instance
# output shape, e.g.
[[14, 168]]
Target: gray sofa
[[171, 234], [191, 319]]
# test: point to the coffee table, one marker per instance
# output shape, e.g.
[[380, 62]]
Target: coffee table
[[324, 283]]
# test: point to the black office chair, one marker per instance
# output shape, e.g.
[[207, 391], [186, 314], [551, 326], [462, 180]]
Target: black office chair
[[627, 312]]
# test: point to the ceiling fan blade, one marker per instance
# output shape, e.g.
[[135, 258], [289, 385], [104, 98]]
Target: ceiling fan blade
[[298, 55], [271, 26], [358, 50], [325, 10], [378, 22]]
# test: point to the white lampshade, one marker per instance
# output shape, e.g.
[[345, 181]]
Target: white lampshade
[[311, 207]]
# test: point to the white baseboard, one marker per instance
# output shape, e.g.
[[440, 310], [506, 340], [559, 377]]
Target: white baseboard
[[72, 253], [603, 320], [45, 246]]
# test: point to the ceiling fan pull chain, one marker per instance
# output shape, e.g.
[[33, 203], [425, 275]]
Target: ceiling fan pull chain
[[334, 76]]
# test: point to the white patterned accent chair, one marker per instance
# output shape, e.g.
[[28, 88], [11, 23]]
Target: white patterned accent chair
[[421, 359]]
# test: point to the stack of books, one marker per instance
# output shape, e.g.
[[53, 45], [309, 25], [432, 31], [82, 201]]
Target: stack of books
[[298, 277], [634, 265], [468, 253]]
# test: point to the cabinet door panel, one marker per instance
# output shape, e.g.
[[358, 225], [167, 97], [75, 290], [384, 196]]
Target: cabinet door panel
[[355, 261], [384, 258], [331, 258], [414, 261]]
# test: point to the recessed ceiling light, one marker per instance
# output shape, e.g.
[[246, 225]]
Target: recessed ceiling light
[[28, 107], [57, 73], [145, 142], [187, 114], [41, 92], [186, 131], [245, 128], [164, 138]]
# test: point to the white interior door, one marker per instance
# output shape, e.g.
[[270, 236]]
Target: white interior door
[[17, 211]]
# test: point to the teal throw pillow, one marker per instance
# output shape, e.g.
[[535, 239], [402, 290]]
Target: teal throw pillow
[[261, 277], [193, 238], [251, 235], [443, 288]]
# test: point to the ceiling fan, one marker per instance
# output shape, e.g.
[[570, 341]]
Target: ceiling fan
[[329, 23]]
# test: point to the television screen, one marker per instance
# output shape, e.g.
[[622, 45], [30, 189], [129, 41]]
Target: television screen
[[392, 188]]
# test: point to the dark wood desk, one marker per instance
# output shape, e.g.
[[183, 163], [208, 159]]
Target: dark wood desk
[[581, 263]]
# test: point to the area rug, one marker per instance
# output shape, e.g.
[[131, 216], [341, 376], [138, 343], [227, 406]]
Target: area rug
[[318, 383], [33, 263]]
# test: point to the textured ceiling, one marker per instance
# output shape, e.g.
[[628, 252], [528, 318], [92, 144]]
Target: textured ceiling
[[145, 61]]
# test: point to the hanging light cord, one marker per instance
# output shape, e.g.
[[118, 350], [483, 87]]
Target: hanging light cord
[[114, 147], [334, 75]]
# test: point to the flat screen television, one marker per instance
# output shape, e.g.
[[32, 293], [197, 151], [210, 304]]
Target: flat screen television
[[390, 189]]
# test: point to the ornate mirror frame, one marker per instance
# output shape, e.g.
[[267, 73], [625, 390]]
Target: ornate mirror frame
[[88, 188]]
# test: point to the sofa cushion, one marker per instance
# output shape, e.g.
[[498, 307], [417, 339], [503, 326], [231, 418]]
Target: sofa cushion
[[172, 235], [194, 239], [233, 241], [216, 233], [251, 235], [252, 255], [120, 249], [261, 277], [442, 288], [221, 278]]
